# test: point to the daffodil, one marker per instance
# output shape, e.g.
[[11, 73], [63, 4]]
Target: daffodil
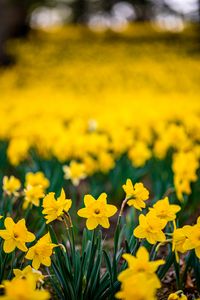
[[28, 270], [11, 185], [139, 154], [97, 211], [164, 210], [136, 195], [150, 227], [133, 288], [193, 238], [54, 209], [75, 171], [179, 295], [15, 235], [140, 263], [179, 238], [18, 289], [185, 165], [33, 194], [41, 252], [37, 179]]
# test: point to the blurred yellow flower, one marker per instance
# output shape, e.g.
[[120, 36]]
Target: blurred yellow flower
[[97, 211], [18, 150], [33, 194], [140, 263], [28, 270], [35, 179], [136, 195], [41, 252], [54, 209], [15, 235], [75, 171], [185, 165], [139, 153], [133, 288], [140, 272], [177, 296], [11, 185], [193, 238], [18, 289]]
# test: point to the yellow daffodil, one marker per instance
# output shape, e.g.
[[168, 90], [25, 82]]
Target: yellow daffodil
[[140, 263], [18, 289], [15, 235], [136, 194], [97, 211], [28, 270], [33, 194], [75, 171], [133, 288], [54, 209], [41, 252], [11, 185], [150, 227], [35, 179], [105, 161], [179, 238], [18, 149], [185, 165], [177, 296], [193, 238], [164, 210], [139, 154]]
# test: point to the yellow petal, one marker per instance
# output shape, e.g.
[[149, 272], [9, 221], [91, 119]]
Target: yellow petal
[[9, 246], [139, 232], [30, 237], [110, 210], [36, 263], [9, 223], [104, 222], [83, 212], [103, 198], [91, 223], [88, 199], [4, 234], [143, 254], [21, 246]]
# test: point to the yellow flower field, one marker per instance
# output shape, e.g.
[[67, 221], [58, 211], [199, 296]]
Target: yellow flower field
[[99, 165]]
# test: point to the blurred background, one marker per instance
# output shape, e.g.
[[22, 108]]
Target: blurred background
[[17, 18]]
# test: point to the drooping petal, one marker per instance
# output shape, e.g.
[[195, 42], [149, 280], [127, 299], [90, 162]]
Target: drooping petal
[[139, 232], [92, 223], [9, 246], [104, 222], [36, 263], [46, 261], [21, 246]]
